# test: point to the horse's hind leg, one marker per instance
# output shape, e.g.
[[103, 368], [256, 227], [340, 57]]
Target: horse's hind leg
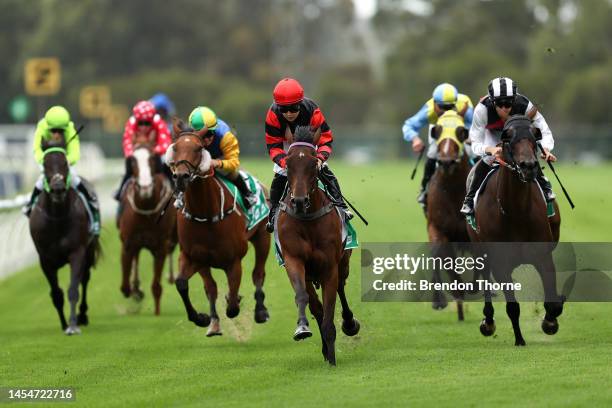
[[296, 273], [513, 309], [126, 270], [261, 242], [57, 295], [137, 293], [553, 303], [77, 266], [82, 319], [186, 271], [156, 287], [171, 266], [316, 308], [211, 293], [350, 325], [234, 275], [330, 287]]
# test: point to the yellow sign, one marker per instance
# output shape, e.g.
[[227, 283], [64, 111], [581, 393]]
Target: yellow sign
[[94, 100], [115, 117], [42, 76]]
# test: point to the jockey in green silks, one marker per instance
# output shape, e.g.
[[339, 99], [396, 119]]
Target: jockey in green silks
[[57, 124]]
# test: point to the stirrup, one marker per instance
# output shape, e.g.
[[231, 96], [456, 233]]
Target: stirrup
[[270, 226], [467, 209], [27, 210]]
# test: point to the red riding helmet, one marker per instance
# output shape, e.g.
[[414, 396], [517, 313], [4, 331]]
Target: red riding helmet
[[288, 91], [144, 110]]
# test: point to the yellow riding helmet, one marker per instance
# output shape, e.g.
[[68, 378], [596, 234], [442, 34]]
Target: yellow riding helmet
[[203, 116], [57, 117]]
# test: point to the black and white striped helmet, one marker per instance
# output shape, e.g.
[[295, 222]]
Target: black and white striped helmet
[[502, 87]]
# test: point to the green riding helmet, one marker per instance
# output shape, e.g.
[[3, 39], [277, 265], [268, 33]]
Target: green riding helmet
[[57, 117], [203, 116]]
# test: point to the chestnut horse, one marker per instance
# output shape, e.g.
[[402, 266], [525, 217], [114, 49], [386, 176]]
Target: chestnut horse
[[212, 231], [143, 198], [309, 232], [59, 226], [445, 224], [513, 209]]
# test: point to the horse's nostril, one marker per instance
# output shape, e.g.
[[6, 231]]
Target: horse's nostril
[[174, 177]]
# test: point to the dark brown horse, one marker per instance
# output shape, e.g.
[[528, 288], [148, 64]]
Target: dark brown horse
[[513, 209], [212, 231], [446, 190], [60, 231], [309, 232], [145, 194]]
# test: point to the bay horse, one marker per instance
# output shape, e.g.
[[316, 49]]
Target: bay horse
[[59, 226], [445, 224], [147, 191], [212, 231], [309, 232], [513, 209]]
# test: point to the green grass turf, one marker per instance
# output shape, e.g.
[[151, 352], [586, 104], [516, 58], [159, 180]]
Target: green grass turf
[[406, 354]]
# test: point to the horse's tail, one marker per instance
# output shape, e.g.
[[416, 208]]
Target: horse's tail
[[95, 251]]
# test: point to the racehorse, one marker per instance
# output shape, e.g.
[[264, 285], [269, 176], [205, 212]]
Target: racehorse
[[212, 231], [309, 232], [445, 224], [59, 225], [142, 201], [513, 209]]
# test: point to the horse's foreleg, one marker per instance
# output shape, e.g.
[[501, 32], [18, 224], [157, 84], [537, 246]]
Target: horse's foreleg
[[126, 269], [513, 309], [77, 265], [186, 271], [316, 308], [436, 238], [296, 273], [210, 286], [350, 325], [330, 287], [156, 287], [553, 303], [234, 275], [57, 295], [137, 294], [261, 242], [82, 318]]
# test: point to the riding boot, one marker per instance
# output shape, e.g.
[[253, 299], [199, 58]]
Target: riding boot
[[276, 193], [333, 187], [480, 172], [94, 206], [430, 169], [546, 187], [249, 198], [27, 209]]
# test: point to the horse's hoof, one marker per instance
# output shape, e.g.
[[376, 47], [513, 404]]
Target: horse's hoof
[[126, 292], [232, 312], [171, 280], [301, 332], [82, 320], [138, 295], [439, 301], [520, 342], [261, 315], [214, 329], [72, 330], [201, 320], [487, 329], [351, 327], [550, 328]]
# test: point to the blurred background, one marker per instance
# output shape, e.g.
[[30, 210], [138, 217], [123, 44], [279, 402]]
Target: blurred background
[[369, 64]]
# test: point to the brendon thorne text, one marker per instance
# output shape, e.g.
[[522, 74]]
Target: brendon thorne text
[[425, 285]]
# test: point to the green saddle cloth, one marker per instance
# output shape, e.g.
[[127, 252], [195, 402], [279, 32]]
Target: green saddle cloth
[[260, 209]]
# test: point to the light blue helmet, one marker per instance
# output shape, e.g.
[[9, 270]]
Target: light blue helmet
[[162, 102], [445, 94]]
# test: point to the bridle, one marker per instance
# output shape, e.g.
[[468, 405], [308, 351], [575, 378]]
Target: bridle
[[193, 170], [508, 144]]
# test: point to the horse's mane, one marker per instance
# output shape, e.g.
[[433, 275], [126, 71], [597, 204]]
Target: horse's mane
[[303, 134]]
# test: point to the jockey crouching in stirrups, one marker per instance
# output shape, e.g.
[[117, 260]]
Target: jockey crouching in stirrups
[[56, 125], [490, 115], [223, 147], [289, 110]]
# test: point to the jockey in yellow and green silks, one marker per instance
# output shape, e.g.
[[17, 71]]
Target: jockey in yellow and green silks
[[57, 124], [223, 147], [445, 97]]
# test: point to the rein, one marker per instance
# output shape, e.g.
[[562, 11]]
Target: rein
[[179, 204], [165, 194]]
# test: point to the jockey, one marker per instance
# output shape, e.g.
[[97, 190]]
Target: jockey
[[490, 115], [144, 122], [164, 107], [223, 147], [292, 109], [445, 97], [57, 122]]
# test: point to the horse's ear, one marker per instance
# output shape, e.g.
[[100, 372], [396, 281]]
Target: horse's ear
[[317, 136], [177, 125], [532, 112], [537, 133], [461, 133], [288, 135], [436, 131]]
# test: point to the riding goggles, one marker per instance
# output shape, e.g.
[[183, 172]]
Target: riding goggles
[[289, 108], [504, 103]]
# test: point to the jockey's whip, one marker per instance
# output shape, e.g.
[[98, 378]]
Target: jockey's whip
[[416, 166], [76, 134], [325, 180], [552, 168]]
